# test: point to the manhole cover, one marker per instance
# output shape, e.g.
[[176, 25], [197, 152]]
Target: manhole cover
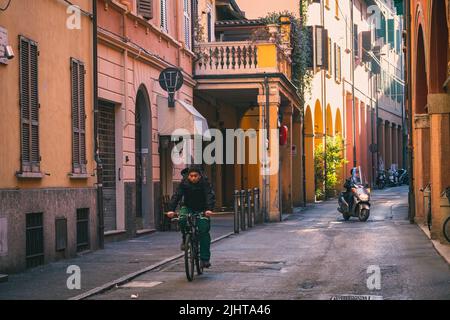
[[307, 285], [355, 297]]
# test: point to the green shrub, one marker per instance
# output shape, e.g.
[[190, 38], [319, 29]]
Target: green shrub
[[334, 156]]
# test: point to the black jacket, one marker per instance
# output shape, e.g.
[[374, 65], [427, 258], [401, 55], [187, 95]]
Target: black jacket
[[198, 197]]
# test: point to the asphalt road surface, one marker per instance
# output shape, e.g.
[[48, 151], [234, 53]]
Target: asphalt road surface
[[314, 254]]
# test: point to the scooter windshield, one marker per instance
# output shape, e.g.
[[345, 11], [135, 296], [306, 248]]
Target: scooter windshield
[[357, 175]]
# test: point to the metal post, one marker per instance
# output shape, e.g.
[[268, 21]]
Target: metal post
[[249, 208], [236, 211], [242, 211], [257, 208]]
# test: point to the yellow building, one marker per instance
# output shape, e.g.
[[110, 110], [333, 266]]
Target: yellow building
[[244, 82], [47, 176]]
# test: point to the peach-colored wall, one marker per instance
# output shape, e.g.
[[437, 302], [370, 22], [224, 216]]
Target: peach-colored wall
[[44, 21], [256, 8]]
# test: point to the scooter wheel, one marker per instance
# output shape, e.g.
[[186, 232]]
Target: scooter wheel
[[364, 215]]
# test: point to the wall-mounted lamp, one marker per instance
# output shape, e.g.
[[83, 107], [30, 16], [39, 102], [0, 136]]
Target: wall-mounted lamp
[[8, 52]]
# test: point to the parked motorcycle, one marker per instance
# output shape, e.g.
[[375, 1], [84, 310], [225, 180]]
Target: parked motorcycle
[[402, 177], [392, 178], [358, 196], [381, 179]]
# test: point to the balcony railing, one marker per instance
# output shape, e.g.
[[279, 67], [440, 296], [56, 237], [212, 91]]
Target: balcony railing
[[244, 57]]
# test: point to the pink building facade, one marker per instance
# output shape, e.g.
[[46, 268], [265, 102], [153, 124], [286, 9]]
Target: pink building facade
[[136, 41]]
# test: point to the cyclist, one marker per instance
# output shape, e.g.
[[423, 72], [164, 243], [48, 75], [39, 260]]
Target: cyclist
[[198, 197]]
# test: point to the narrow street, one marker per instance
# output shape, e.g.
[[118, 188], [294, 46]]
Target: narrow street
[[314, 254]]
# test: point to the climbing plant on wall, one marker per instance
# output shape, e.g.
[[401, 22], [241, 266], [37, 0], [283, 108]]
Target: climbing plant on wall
[[301, 47]]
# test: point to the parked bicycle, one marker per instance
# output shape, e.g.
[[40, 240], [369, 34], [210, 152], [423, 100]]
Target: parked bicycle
[[446, 226], [192, 246]]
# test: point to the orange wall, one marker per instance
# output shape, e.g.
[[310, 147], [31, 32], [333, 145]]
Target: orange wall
[[44, 21]]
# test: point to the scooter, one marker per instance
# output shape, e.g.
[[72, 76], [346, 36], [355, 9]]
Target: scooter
[[359, 205], [403, 177], [381, 179]]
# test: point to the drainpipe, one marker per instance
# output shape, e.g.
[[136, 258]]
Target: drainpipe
[[324, 106], [303, 117], [99, 165], [411, 195], [353, 84], [266, 140], [371, 127]]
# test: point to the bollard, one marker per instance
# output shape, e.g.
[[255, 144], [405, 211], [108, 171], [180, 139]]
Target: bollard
[[242, 211], [249, 208], [236, 211], [256, 207]]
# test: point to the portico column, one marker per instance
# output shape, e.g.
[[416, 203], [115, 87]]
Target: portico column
[[269, 177], [286, 162], [439, 111]]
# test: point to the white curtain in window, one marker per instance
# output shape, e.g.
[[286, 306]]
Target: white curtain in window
[[163, 6], [187, 23]]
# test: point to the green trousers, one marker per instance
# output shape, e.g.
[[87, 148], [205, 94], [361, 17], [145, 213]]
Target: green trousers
[[204, 226]]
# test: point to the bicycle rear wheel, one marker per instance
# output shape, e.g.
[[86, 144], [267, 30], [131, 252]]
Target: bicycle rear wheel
[[189, 257], [447, 229]]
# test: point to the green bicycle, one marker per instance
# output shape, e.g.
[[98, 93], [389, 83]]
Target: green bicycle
[[192, 246]]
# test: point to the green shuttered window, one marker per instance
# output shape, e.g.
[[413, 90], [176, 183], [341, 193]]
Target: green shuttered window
[[29, 105], [78, 73]]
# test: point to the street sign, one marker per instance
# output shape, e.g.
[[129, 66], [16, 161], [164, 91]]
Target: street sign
[[171, 80]]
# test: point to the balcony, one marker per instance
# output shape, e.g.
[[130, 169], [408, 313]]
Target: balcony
[[242, 58]]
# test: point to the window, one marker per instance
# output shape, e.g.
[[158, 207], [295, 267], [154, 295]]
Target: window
[[163, 4], [29, 105], [34, 238], [187, 23], [330, 54], [337, 63], [209, 26], [355, 40], [321, 47], [78, 72], [145, 9], [391, 33], [194, 20], [82, 229]]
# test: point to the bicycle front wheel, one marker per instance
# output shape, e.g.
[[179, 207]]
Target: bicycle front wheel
[[197, 257], [189, 257], [447, 229]]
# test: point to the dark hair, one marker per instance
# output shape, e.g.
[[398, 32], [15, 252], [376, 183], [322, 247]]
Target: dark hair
[[195, 168]]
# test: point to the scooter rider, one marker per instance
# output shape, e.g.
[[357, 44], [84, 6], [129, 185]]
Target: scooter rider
[[349, 184]]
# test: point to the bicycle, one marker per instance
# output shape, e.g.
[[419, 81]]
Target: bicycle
[[446, 225], [192, 245]]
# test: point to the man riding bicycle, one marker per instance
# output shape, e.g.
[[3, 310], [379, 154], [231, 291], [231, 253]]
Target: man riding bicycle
[[198, 197]]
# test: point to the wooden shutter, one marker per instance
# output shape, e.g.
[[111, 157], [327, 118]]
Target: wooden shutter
[[355, 40], [194, 20], [309, 46], [330, 54], [366, 37], [29, 105], [391, 33], [145, 8], [78, 116], [381, 32], [337, 63], [321, 47]]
